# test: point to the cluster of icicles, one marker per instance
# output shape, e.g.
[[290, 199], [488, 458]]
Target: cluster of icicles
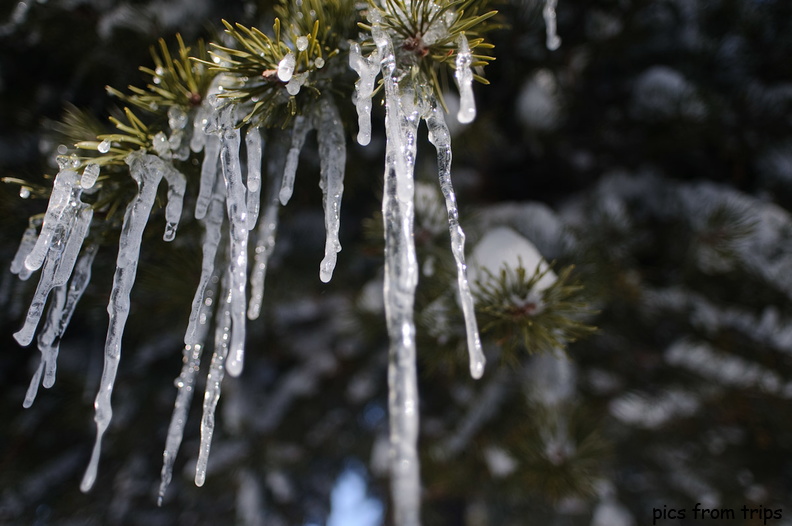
[[55, 245]]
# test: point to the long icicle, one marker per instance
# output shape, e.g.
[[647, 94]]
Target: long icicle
[[440, 137], [236, 207], [185, 384], [214, 379], [147, 171], [267, 229], [195, 335], [401, 278], [332, 162], [213, 223]]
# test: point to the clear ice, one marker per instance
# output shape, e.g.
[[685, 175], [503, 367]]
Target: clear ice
[[464, 79], [440, 137], [332, 161], [224, 125], [367, 69], [302, 125], [254, 148], [214, 379], [401, 278], [147, 171], [286, 67], [62, 234]]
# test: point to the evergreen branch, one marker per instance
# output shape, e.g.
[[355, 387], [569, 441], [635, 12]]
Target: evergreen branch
[[519, 314]]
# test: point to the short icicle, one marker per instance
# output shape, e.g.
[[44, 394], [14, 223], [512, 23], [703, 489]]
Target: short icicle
[[464, 79], [401, 278], [302, 125], [236, 206], [367, 69], [147, 171], [177, 184], [254, 146], [549, 12], [440, 137], [25, 246], [332, 162], [214, 379]]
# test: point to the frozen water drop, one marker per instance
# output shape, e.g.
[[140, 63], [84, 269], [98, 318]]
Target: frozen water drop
[[24, 192], [302, 43], [177, 118], [89, 176], [161, 145], [319, 62], [286, 67], [104, 146]]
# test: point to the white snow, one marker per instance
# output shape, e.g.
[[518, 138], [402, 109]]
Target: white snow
[[501, 248]]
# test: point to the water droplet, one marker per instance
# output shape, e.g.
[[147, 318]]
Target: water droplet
[[104, 146], [302, 43]]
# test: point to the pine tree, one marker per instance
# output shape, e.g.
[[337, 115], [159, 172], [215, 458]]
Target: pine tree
[[634, 178]]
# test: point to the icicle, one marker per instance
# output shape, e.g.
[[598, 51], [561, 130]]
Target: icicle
[[185, 384], [64, 228], [25, 246], [177, 184], [214, 380], [48, 352], [237, 216], [50, 339], [253, 145], [208, 174], [286, 67], [60, 312], [56, 218], [549, 13], [367, 69], [147, 172], [213, 223], [464, 79], [401, 278], [332, 161], [440, 137], [302, 125], [267, 229]]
